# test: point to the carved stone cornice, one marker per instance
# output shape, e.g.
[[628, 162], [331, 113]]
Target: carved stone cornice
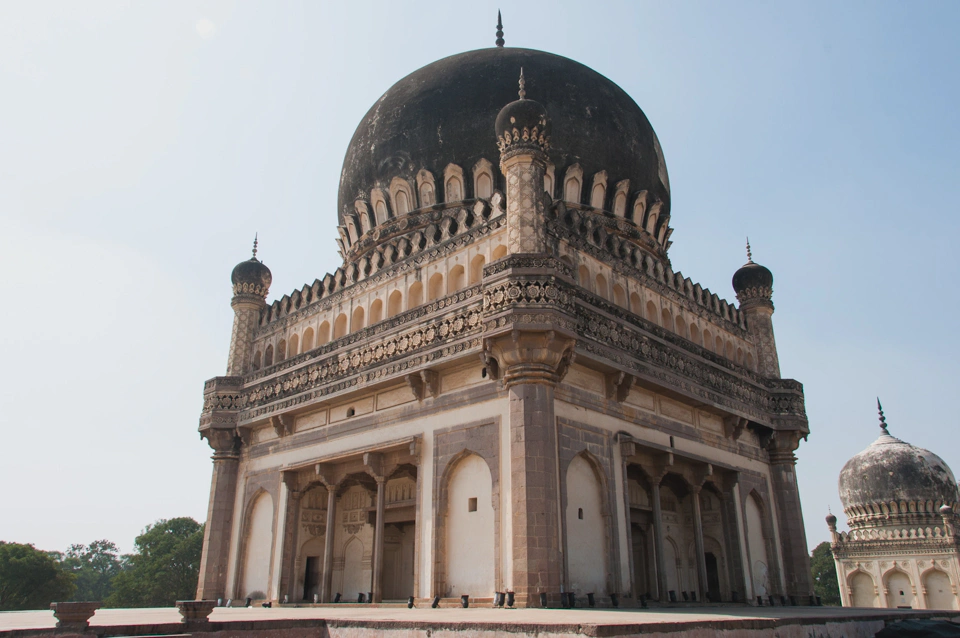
[[521, 297], [413, 316]]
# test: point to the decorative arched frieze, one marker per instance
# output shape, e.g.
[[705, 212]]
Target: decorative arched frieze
[[365, 215], [598, 190], [483, 179], [453, 185], [549, 179], [620, 198], [380, 208], [640, 209], [427, 188], [572, 184], [401, 195]]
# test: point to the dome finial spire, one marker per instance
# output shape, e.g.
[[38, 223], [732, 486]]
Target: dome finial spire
[[883, 419], [500, 41], [523, 86], [255, 245], [749, 254]]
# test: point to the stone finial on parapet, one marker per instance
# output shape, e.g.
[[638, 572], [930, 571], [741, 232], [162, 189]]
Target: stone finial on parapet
[[74, 616], [195, 612]]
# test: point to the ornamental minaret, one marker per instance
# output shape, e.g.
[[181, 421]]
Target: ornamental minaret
[[523, 136], [754, 287], [251, 283]]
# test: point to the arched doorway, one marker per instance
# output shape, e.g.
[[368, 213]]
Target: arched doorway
[[939, 592], [470, 556], [585, 534], [259, 542], [862, 590]]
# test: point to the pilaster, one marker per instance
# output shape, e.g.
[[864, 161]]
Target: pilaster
[[786, 495], [532, 363], [217, 533]]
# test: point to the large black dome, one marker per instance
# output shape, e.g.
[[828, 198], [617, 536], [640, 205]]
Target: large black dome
[[444, 113]]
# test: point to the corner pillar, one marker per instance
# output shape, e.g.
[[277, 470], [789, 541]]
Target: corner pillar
[[786, 494], [532, 363], [223, 491]]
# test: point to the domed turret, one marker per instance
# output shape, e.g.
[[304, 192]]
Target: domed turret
[[251, 277], [753, 282], [523, 124], [892, 482]]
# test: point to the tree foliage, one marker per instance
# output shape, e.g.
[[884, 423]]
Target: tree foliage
[[165, 567], [31, 578], [94, 566], [824, 572]]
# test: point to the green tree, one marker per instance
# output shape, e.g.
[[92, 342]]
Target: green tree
[[824, 572], [94, 566], [164, 568], [31, 578]]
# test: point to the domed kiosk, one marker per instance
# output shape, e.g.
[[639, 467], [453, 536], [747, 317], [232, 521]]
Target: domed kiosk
[[901, 550], [505, 388]]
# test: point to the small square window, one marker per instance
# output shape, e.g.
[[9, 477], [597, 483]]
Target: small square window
[[580, 513], [472, 504]]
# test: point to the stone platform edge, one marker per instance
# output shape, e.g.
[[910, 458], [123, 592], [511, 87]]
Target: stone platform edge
[[327, 628]]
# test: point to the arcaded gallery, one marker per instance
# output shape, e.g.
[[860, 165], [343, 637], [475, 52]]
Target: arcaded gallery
[[506, 388]]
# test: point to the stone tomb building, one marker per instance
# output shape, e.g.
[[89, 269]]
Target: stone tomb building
[[506, 387], [903, 548]]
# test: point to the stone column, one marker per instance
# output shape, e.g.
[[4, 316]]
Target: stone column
[[793, 540], [628, 449], [658, 540], [377, 586], [217, 533], [532, 363], [698, 544], [326, 595], [291, 537], [733, 536]]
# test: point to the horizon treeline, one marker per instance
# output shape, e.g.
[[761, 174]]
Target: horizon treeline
[[163, 568]]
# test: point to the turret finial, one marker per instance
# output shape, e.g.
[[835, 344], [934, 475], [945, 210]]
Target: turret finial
[[749, 254], [883, 419], [500, 41], [523, 86], [255, 245]]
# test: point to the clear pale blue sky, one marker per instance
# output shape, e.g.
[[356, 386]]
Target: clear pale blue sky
[[142, 145]]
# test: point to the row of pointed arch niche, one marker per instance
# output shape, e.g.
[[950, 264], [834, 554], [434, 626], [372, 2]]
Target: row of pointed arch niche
[[403, 196], [601, 280], [937, 589], [439, 279], [639, 207]]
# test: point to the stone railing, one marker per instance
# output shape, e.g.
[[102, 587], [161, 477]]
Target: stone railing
[[882, 534]]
